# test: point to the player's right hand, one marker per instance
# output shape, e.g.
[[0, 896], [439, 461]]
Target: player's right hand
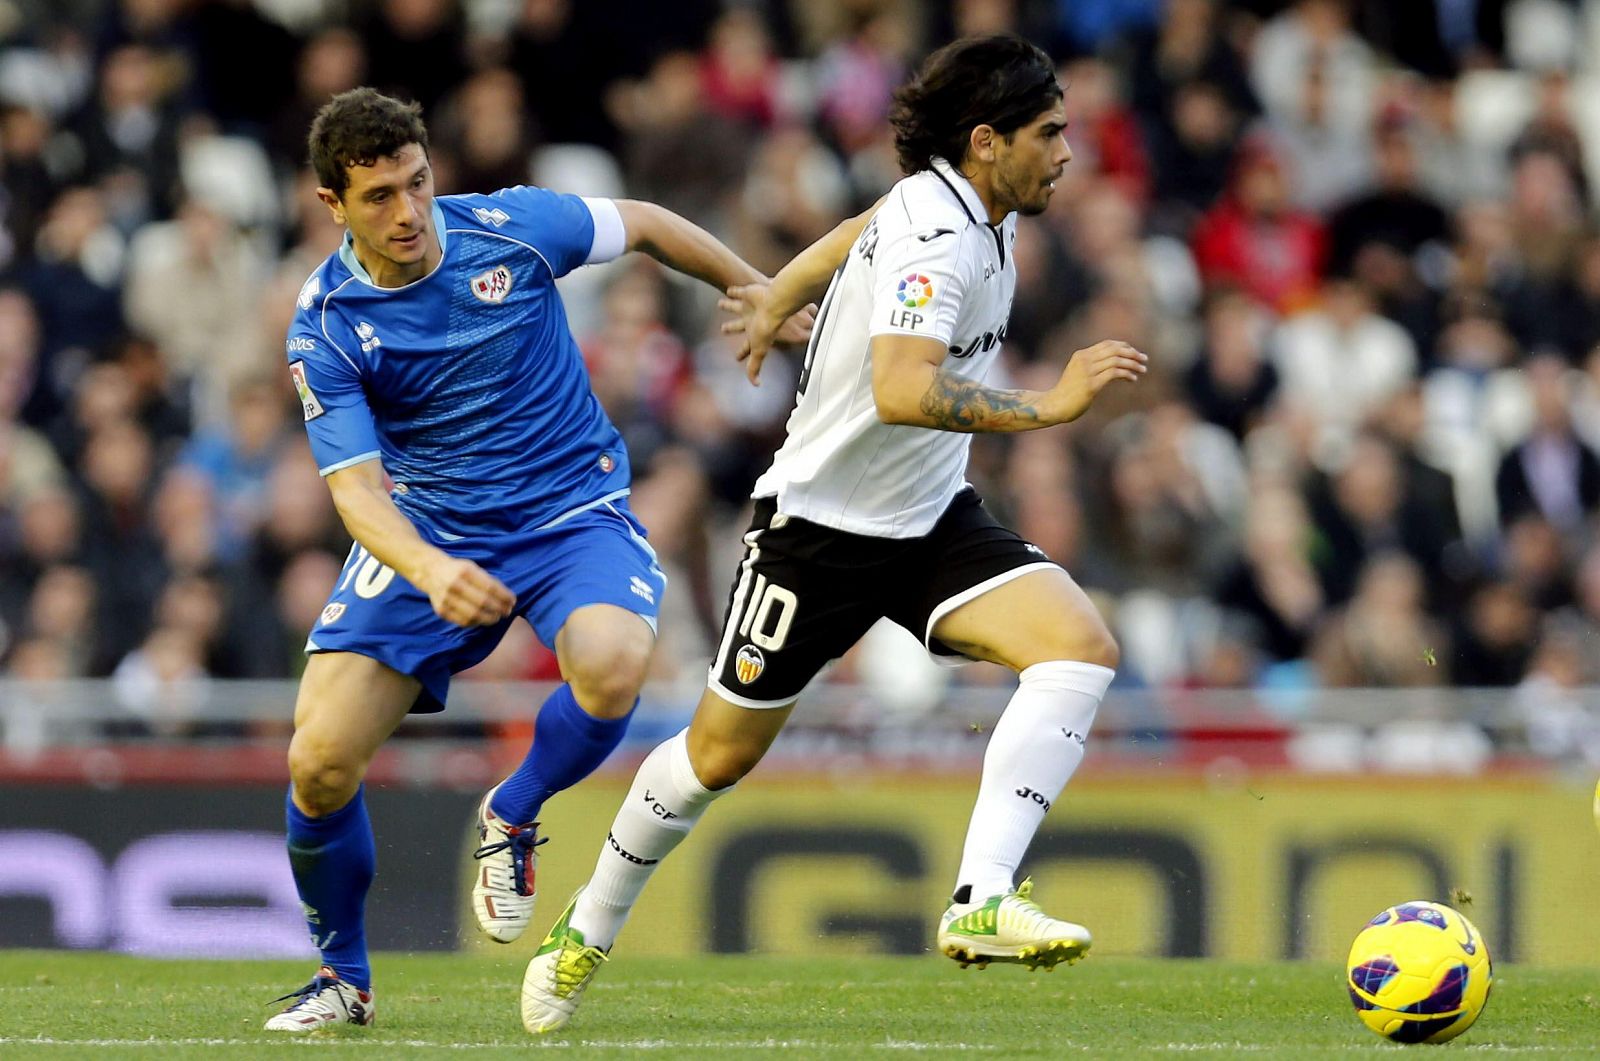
[[748, 304], [466, 594], [1089, 371], [753, 320]]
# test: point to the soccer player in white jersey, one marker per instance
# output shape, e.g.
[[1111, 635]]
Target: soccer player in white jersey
[[865, 514]]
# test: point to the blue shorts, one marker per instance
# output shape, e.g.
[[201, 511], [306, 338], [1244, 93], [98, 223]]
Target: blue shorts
[[596, 556]]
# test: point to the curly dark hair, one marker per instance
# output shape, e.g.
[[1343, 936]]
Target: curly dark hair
[[1000, 81], [357, 128]]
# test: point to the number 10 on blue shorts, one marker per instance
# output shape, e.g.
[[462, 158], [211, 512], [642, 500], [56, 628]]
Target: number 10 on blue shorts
[[599, 555]]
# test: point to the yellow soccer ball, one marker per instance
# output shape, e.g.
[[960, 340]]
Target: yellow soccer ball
[[1419, 973]]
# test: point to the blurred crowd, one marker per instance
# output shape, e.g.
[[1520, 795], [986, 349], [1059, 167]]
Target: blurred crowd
[[1358, 239]]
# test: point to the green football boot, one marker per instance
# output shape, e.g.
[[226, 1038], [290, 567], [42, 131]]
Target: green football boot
[[1010, 928], [558, 975]]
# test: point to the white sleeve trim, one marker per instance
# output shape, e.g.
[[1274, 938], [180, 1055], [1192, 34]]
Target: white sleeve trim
[[350, 462], [610, 237]]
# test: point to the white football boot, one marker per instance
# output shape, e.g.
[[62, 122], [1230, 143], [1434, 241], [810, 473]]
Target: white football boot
[[1010, 928], [503, 877], [558, 975], [325, 1001]]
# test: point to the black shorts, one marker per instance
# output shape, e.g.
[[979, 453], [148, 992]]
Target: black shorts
[[804, 594]]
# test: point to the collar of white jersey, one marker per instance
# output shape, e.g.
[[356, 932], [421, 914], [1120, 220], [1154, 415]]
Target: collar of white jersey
[[347, 251], [970, 200]]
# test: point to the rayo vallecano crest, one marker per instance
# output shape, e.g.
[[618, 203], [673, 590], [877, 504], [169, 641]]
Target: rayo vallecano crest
[[492, 286]]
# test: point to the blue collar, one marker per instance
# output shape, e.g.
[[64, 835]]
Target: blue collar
[[347, 250]]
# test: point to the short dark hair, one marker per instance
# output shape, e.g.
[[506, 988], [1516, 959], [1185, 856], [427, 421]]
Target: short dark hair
[[358, 127], [1000, 81]]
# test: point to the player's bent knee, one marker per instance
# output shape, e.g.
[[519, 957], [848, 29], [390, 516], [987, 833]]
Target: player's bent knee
[[605, 656], [323, 779], [1090, 642], [322, 794], [1103, 651], [1090, 646], [723, 771], [723, 763], [606, 684]]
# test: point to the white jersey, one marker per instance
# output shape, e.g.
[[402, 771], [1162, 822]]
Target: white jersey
[[927, 264]]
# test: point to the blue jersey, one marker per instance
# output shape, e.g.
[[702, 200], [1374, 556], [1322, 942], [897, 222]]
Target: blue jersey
[[466, 384]]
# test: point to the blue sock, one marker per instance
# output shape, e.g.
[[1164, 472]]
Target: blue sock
[[568, 743], [334, 859]]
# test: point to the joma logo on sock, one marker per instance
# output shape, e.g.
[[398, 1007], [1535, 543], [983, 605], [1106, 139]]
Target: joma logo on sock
[[1028, 793], [629, 855], [656, 808]]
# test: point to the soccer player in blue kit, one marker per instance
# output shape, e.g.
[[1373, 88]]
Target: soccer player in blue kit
[[451, 415]]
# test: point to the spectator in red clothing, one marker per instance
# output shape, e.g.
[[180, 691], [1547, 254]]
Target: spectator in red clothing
[[738, 72], [1254, 239], [856, 76], [1106, 137]]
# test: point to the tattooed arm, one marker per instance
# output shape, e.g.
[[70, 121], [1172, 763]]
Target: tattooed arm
[[910, 386]]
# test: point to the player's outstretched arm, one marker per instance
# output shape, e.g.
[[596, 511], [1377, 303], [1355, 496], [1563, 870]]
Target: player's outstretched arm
[[910, 387], [682, 245], [761, 310], [460, 590]]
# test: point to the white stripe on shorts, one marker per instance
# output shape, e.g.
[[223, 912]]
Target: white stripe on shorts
[[741, 600]]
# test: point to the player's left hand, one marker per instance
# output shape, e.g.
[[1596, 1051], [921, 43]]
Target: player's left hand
[[464, 593], [1088, 372]]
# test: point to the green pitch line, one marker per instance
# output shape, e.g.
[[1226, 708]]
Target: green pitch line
[[99, 1006]]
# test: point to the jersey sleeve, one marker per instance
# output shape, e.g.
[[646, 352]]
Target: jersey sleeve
[[920, 278], [332, 400], [610, 235], [567, 230]]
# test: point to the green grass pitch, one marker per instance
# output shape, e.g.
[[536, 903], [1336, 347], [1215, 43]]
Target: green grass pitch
[[61, 1005]]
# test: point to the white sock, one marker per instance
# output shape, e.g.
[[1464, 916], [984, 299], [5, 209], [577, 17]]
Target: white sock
[[662, 806], [1035, 747]]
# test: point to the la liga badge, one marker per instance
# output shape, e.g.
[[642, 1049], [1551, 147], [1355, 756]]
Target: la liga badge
[[309, 405], [914, 291]]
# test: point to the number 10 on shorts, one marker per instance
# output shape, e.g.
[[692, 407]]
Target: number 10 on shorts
[[769, 598], [371, 575]]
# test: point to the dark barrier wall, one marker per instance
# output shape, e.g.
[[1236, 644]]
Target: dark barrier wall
[[202, 871], [1159, 864]]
